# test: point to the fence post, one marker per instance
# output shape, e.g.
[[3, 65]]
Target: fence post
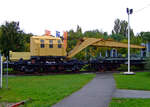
[[1, 71], [7, 74]]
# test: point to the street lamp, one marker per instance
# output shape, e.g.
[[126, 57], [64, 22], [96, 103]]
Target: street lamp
[[129, 11]]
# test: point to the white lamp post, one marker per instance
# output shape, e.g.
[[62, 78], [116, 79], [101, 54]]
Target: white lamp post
[[129, 11]]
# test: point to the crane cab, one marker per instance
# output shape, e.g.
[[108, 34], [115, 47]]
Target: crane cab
[[47, 46]]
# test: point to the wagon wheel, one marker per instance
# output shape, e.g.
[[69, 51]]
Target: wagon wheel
[[52, 68], [61, 68], [101, 69]]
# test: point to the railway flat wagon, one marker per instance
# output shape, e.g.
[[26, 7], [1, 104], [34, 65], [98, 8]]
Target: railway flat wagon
[[48, 53]]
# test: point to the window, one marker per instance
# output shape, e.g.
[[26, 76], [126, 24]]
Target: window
[[42, 43], [59, 44], [50, 43]]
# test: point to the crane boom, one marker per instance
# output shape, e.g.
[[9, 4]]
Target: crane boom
[[85, 42]]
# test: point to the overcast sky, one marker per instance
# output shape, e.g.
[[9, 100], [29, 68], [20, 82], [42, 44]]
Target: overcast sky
[[37, 15]]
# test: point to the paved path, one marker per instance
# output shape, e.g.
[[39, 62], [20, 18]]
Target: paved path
[[97, 93], [131, 94]]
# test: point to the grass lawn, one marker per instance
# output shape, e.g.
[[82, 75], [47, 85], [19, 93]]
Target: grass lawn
[[129, 102], [44, 90], [139, 81]]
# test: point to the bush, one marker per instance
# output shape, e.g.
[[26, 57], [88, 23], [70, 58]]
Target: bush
[[9, 70], [85, 67], [124, 67], [147, 65]]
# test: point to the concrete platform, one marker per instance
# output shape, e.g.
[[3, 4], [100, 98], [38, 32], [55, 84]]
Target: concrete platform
[[131, 94]]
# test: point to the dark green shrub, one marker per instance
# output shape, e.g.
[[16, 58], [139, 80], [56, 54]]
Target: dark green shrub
[[124, 67], [147, 65], [135, 68], [85, 67], [9, 70]]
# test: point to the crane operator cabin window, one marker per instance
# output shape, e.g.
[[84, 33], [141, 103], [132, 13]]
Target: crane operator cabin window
[[59, 44], [42, 43], [50, 43]]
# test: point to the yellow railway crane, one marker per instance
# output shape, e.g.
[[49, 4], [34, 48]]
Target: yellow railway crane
[[49, 53], [51, 47]]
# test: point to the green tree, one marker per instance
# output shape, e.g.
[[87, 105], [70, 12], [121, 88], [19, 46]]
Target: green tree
[[121, 28], [11, 38], [79, 30], [0, 38], [117, 37], [27, 41], [124, 28], [146, 36], [117, 27]]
